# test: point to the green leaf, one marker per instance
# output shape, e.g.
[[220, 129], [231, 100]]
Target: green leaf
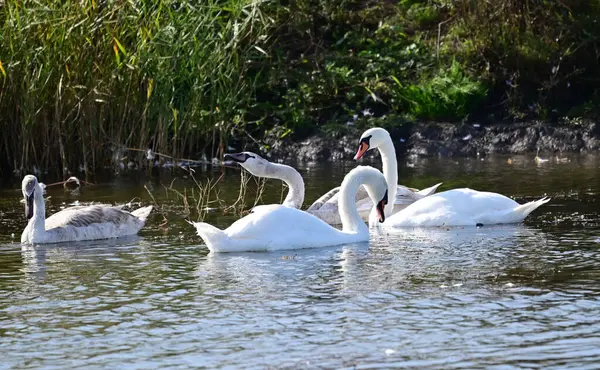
[[396, 81], [120, 46]]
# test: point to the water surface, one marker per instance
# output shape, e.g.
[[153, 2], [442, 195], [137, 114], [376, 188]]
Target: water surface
[[510, 296]]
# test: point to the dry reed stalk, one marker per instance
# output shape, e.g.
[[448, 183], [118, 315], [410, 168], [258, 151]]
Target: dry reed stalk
[[239, 206]]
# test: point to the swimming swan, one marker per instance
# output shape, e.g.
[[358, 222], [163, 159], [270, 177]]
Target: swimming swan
[[279, 227], [326, 207], [457, 207], [75, 223]]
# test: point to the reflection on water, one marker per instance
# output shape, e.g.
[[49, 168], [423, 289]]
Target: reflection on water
[[522, 295]]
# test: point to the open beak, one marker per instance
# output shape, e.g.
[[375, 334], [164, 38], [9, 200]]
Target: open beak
[[29, 206], [362, 149], [236, 157], [381, 206]]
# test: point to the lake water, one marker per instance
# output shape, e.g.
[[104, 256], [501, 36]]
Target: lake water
[[525, 296]]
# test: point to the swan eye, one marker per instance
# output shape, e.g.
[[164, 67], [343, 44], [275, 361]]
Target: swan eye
[[366, 140], [363, 146]]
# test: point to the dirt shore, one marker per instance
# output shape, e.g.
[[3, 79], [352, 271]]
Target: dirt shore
[[442, 139]]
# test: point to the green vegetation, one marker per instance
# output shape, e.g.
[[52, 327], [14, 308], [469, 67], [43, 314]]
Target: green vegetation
[[82, 80]]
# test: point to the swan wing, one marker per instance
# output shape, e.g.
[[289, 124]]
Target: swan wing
[[405, 195], [82, 216], [326, 207], [318, 204], [428, 191], [329, 201], [280, 227]]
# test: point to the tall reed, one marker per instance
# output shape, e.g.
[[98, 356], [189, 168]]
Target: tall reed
[[80, 79]]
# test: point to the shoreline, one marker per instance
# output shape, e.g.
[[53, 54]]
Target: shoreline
[[441, 139], [430, 139]]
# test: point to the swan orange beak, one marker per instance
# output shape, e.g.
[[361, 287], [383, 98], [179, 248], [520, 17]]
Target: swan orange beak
[[381, 207], [362, 149]]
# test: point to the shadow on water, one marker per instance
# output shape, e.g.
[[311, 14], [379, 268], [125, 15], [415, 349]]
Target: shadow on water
[[514, 296]]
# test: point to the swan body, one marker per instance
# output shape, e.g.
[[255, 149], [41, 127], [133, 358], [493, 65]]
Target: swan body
[[280, 227], [457, 207], [75, 223], [326, 207], [463, 207]]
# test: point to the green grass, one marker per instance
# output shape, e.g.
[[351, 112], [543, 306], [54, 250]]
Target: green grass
[[449, 94]]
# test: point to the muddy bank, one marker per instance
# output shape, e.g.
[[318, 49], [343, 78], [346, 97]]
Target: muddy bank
[[440, 139]]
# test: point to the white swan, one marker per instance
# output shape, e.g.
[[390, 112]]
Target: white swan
[[457, 207], [279, 227], [326, 207], [75, 223]]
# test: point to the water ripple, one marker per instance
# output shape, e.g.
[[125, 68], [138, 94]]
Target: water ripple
[[494, 297]]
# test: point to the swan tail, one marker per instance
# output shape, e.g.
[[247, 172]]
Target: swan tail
[[428, 191], [214, 238], [142, 213], [519, 213], [527, 208]]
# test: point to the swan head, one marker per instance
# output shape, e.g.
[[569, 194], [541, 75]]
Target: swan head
[[252, 162], [377, 189], [377, 213], [72, 183], [28, 187], [380, 206], [370, 139]]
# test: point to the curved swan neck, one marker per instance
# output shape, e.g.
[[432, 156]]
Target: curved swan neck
[[351, 220], [38, 221], [390, 172], [294, 181]]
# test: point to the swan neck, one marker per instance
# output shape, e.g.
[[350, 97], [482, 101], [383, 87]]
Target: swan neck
[[38, 221], [351, 220], [294, 181], [390, 172]]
